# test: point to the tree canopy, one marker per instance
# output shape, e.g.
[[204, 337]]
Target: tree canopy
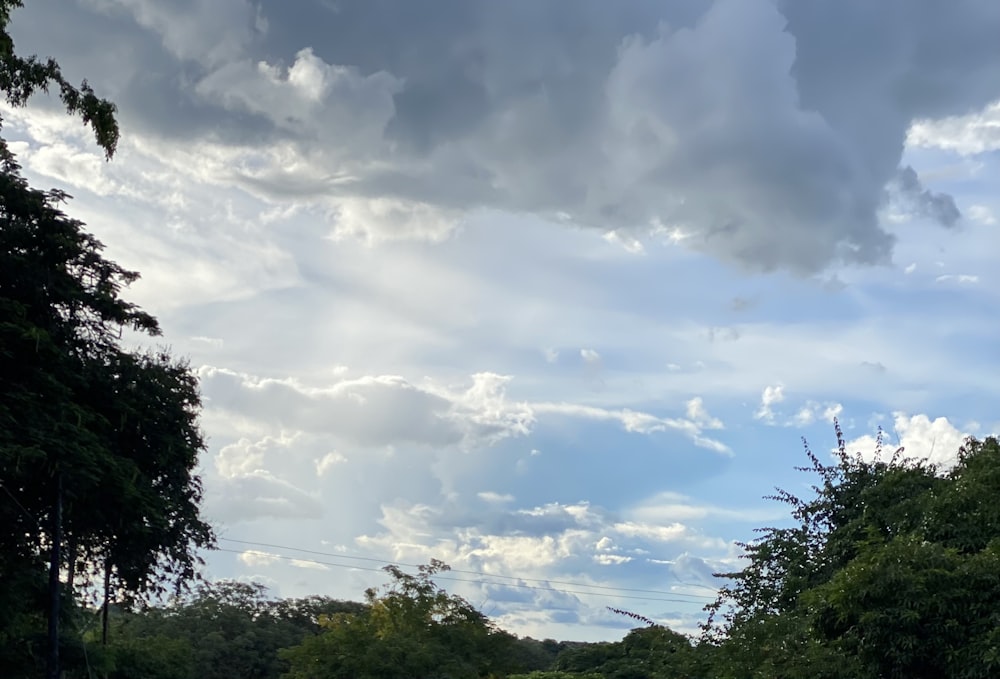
[[410, 628], [888, 571]]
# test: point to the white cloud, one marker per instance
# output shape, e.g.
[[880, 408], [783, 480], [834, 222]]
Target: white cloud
[[981, 214], [697, 413], [495, 498], [590, 356], [376, 410], [966, 134], [769, 397], [811, 411], [254, 558], [328, 462], [935, 441], [637, 422], [962, 279]]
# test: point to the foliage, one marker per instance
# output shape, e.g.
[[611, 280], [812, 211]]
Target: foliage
[[223, 629], [21, 77], [889, 571], [412, 628], [556, 674], [647, 652], [97, 444]]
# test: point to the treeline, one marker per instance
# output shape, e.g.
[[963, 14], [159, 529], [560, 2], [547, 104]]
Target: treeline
[[408, 628], [889, 568]]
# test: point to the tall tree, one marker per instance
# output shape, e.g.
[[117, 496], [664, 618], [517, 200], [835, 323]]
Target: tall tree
[[97, 444]]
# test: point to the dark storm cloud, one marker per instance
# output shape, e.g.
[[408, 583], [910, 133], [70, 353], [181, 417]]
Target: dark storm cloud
[[763, 133]]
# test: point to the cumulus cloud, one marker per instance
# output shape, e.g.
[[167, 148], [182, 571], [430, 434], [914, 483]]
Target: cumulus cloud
[[811, 411], [968, 134], [771, 396], [633, 122], [545, 554], [698, 414], [935, 441]]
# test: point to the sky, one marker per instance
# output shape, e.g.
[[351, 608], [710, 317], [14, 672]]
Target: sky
[[550, 291]]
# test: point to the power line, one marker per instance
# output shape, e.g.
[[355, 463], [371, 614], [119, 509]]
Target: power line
[[479, 573], [477, 582], [612, 591]]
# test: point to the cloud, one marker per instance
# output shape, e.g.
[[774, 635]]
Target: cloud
[[633, 123], [982, 214], [962, 279], [254, 557], [910, 196], [672, 508], [209, 32], [495, 498], [769, 397], [260, 494], [640, 422], [376, 410], [697, 413], [922, 438], [968, 134], [811, 411], [328, 462]]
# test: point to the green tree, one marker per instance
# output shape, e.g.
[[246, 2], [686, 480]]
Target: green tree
[[412, 628], [889, 571], [97, 444], [220, 630], [652, 652], [21, 77]]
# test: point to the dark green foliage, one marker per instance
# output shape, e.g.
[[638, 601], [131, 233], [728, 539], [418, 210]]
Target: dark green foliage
[[21, 77], [97, 444], [411, 628], [224, 629], [891, 571], [120, 427], [645, 653], [530, 655]]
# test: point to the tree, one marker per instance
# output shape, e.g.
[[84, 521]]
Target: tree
[[97, 444], [412, 628], [21, 77], [221, 630], [889, 571]]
